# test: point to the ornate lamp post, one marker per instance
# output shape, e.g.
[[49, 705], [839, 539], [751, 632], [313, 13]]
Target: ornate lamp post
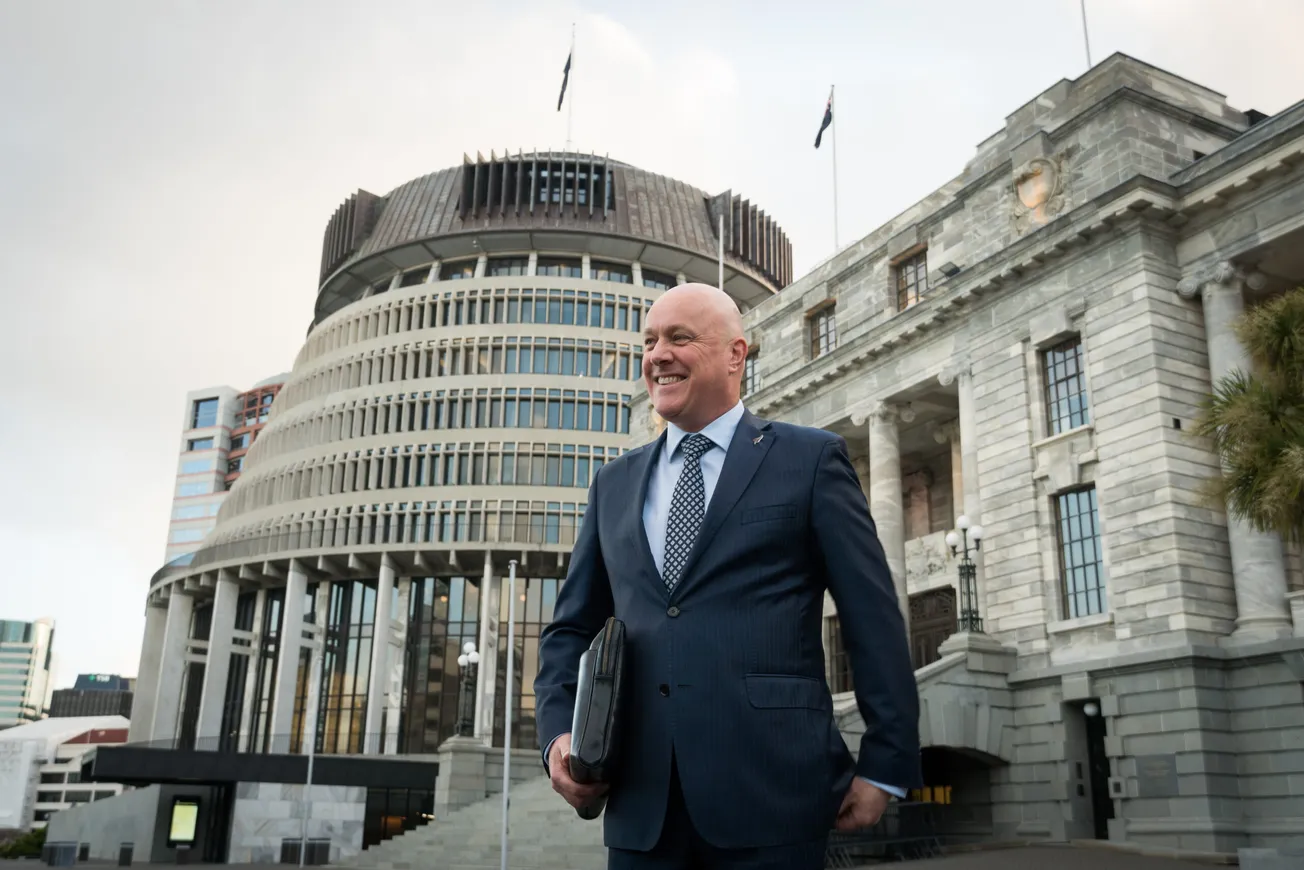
[[969, 618], [467, 661]]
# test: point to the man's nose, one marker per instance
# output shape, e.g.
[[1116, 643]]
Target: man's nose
[[659, 354]]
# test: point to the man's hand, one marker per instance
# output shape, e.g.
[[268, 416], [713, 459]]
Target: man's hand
[[559, 770], [862, 807]]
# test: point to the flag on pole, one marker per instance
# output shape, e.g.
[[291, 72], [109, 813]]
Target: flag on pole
[[565, 77], [824, 125]]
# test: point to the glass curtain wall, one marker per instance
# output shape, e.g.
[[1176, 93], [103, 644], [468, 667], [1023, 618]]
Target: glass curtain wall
[[346, 666], [237, 671], [192, 687], [443, 613], [535, 598], [265, 685]]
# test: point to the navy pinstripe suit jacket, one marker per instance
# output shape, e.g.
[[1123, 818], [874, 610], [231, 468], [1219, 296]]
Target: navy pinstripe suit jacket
[[727, 670]]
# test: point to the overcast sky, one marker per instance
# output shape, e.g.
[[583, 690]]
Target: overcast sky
[[168, 169]]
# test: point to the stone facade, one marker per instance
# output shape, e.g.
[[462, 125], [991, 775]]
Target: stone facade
[[1028, 347], [266, 813]]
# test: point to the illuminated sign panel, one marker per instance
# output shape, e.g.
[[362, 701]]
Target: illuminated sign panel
[[184, 821]]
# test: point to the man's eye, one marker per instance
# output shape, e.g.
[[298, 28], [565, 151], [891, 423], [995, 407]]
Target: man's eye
[[682, 337]]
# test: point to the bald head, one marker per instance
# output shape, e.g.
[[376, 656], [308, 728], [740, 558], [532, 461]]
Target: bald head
[[693, 356], [711, 301]]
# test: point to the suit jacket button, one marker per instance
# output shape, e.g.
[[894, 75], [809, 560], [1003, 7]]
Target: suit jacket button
[[664, 690], [673, 611]]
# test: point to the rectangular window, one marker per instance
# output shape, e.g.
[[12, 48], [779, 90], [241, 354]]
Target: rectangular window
[[455, 271], [911, 280], [197, 466], [1078, 532], [750, 379], [187, 489], [839, 663], [200, 444], [603, 271], [823, 332], [657, 280], [1066, 388], [195, 511], [186, 536], [558, 267], [204, 414]]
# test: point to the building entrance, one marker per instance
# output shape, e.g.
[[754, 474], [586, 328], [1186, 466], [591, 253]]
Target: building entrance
[[932, 620]]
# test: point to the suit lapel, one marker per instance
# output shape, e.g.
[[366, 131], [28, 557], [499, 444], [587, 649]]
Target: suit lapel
[[640, 471], [751, 441]]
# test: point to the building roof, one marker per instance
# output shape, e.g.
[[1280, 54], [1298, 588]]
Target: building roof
[[55, 732], [550, 201]]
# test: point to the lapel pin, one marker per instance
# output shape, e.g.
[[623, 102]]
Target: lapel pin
[[757, 439]]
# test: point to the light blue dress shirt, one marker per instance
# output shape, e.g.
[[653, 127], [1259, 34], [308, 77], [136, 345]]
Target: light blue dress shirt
[[661, 485], [661, 488]]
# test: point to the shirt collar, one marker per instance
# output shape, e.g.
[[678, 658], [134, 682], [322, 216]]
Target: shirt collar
[[720, 430]]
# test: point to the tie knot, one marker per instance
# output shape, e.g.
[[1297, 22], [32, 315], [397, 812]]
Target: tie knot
[[694, 446]]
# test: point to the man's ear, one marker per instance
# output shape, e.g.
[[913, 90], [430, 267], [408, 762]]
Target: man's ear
[[737, 354]]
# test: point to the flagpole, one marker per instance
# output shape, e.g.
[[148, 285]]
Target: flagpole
[[570, 109], [833, 134], [508, 699], [1085, 38]]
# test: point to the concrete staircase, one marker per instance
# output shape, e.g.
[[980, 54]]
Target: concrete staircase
[[544, 833]]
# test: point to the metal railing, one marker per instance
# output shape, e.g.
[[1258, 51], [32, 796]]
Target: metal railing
[[907, 830]]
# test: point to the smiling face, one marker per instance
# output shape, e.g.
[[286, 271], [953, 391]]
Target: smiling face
[[693, 354]]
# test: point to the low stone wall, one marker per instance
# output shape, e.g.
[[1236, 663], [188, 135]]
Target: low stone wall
[[265, 813], [137, 816]]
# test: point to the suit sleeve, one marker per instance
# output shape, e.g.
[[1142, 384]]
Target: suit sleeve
[[873, 629], [583, 604]]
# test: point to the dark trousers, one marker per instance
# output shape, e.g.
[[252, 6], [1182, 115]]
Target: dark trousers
[[682, 848]]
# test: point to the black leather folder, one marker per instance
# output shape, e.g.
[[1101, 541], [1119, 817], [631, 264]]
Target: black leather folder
[[595, 732]]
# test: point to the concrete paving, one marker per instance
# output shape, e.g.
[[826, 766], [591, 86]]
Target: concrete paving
[[1015, 858], [1058, 858]]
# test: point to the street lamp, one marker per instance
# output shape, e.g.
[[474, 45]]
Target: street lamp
[[969, 618], [467, 661]]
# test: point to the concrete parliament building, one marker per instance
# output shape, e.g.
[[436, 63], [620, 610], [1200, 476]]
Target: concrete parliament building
[[1027, 347]]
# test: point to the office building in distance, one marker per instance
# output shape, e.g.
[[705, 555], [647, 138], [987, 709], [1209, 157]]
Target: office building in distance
[[25, 683], [219, 426], [94, 695]]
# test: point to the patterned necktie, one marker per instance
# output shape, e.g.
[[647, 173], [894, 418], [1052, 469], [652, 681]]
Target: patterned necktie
[[687, 507]]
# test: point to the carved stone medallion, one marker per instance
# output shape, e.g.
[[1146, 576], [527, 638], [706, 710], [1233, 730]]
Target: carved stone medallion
[[1038, 192]]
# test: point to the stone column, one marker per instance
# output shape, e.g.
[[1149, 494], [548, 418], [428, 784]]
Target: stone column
[[397, 666], [308, 725], [208, 728], [147, 676], [172, 664], [971, 497], [289, 640], [378, 679], [885, 495], [1258, 564], [486, 682]]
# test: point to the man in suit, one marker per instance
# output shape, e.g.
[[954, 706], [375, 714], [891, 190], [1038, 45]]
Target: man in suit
[[714, 544]]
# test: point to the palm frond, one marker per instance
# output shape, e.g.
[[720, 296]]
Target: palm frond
[[1256, 420]]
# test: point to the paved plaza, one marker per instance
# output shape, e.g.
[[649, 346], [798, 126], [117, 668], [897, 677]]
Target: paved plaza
[[1059, 858], [1015, 858]]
